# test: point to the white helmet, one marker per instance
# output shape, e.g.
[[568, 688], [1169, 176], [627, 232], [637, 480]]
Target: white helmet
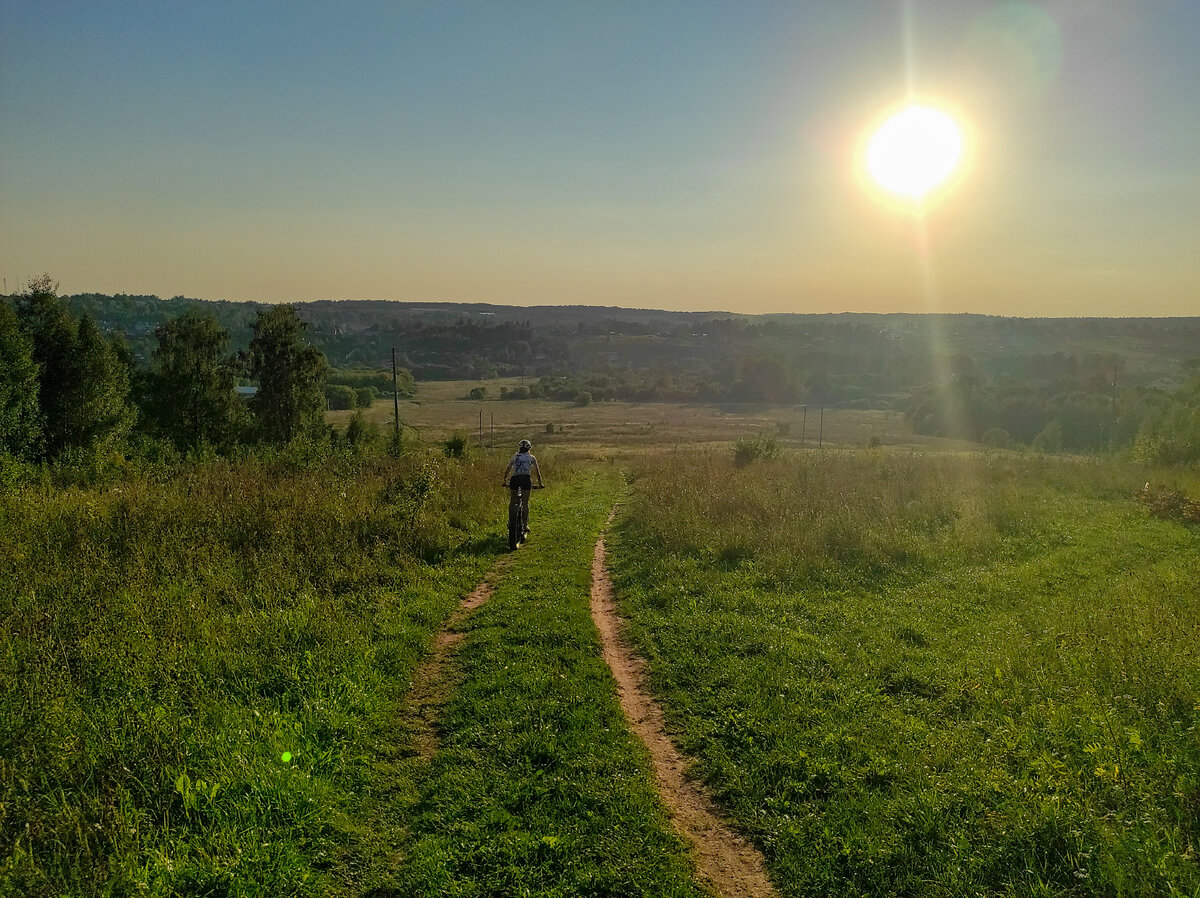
[[524, 446]]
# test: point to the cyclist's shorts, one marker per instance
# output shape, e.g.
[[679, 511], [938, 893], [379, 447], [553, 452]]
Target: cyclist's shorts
[[522, 481]]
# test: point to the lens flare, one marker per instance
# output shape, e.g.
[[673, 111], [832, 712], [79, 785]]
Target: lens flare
[[914, 151]]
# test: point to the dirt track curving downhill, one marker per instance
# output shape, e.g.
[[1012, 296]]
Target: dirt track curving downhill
[[728, 862]]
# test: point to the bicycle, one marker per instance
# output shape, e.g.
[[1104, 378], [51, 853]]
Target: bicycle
[[518, 515]]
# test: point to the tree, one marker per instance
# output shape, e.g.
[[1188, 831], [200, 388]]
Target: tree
[[83, 385], [290, 401], [20, 416], [52, 335], [1051, 437], [102, 413], [191, 397], [340, 397], [362, 433]]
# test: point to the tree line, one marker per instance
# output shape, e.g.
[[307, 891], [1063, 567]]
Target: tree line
[[1046, 383], [70, 392]]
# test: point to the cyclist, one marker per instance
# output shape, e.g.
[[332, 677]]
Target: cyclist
[[523, 464]]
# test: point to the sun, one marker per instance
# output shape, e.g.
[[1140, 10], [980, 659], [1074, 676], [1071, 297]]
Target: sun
[[914, 151]]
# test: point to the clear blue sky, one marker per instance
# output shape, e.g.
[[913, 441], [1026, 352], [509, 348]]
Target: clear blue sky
[[683, 155]]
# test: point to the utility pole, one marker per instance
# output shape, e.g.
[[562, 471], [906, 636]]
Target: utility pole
[[492, 439], [1112, 416], [395, 396], [821, 432], [481, 427], [803, 425]]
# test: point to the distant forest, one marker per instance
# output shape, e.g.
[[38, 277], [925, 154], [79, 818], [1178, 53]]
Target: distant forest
[[1076, 384]]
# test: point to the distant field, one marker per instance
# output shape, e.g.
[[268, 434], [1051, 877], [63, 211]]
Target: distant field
[[441, 408]]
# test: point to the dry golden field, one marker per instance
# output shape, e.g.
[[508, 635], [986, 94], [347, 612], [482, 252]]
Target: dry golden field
[[441, 409]]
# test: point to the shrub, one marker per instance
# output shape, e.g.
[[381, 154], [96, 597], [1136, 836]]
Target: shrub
[[458, 446], [997, 438], [477, 393], [749, 449], [1171, 505], [583, 398], [549, 427], [362, 433], [366, 396], [1050, 439]]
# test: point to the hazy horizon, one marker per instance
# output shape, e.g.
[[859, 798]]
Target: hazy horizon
[[678, 156]]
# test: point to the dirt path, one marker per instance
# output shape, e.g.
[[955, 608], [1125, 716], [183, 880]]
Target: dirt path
[[430, 682], [730, 864]]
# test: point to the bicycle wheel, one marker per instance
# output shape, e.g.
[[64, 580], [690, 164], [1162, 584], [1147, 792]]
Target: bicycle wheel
[[514, 519]]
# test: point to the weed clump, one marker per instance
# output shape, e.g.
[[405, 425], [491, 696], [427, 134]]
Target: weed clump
[[1168, 504]]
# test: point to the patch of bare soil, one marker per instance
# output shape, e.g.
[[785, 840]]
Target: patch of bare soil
[[431, 682], [727, 861]]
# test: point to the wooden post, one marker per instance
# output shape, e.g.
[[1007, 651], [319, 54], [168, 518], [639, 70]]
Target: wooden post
[[803, 425], [1112, 413], [821, 432], [395, 396]]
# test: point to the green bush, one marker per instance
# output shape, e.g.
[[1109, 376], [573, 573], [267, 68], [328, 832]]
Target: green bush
[[997, 438], [1050, 439], [458, 446], [365, 396], [362, 433], [751, 449], [340, 397]]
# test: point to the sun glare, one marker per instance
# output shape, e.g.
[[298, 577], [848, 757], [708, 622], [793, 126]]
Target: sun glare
[[914, 151]]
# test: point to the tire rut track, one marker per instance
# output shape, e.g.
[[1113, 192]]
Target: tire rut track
[[726, 860], [430, 680]]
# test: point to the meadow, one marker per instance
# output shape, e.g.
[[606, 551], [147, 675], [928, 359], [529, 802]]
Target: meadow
[[911, 674], [168, 637], [908, 669]]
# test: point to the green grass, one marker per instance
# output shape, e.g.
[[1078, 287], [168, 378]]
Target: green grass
[[164, 643], [928, 676], [903, 675], [539, 788]]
